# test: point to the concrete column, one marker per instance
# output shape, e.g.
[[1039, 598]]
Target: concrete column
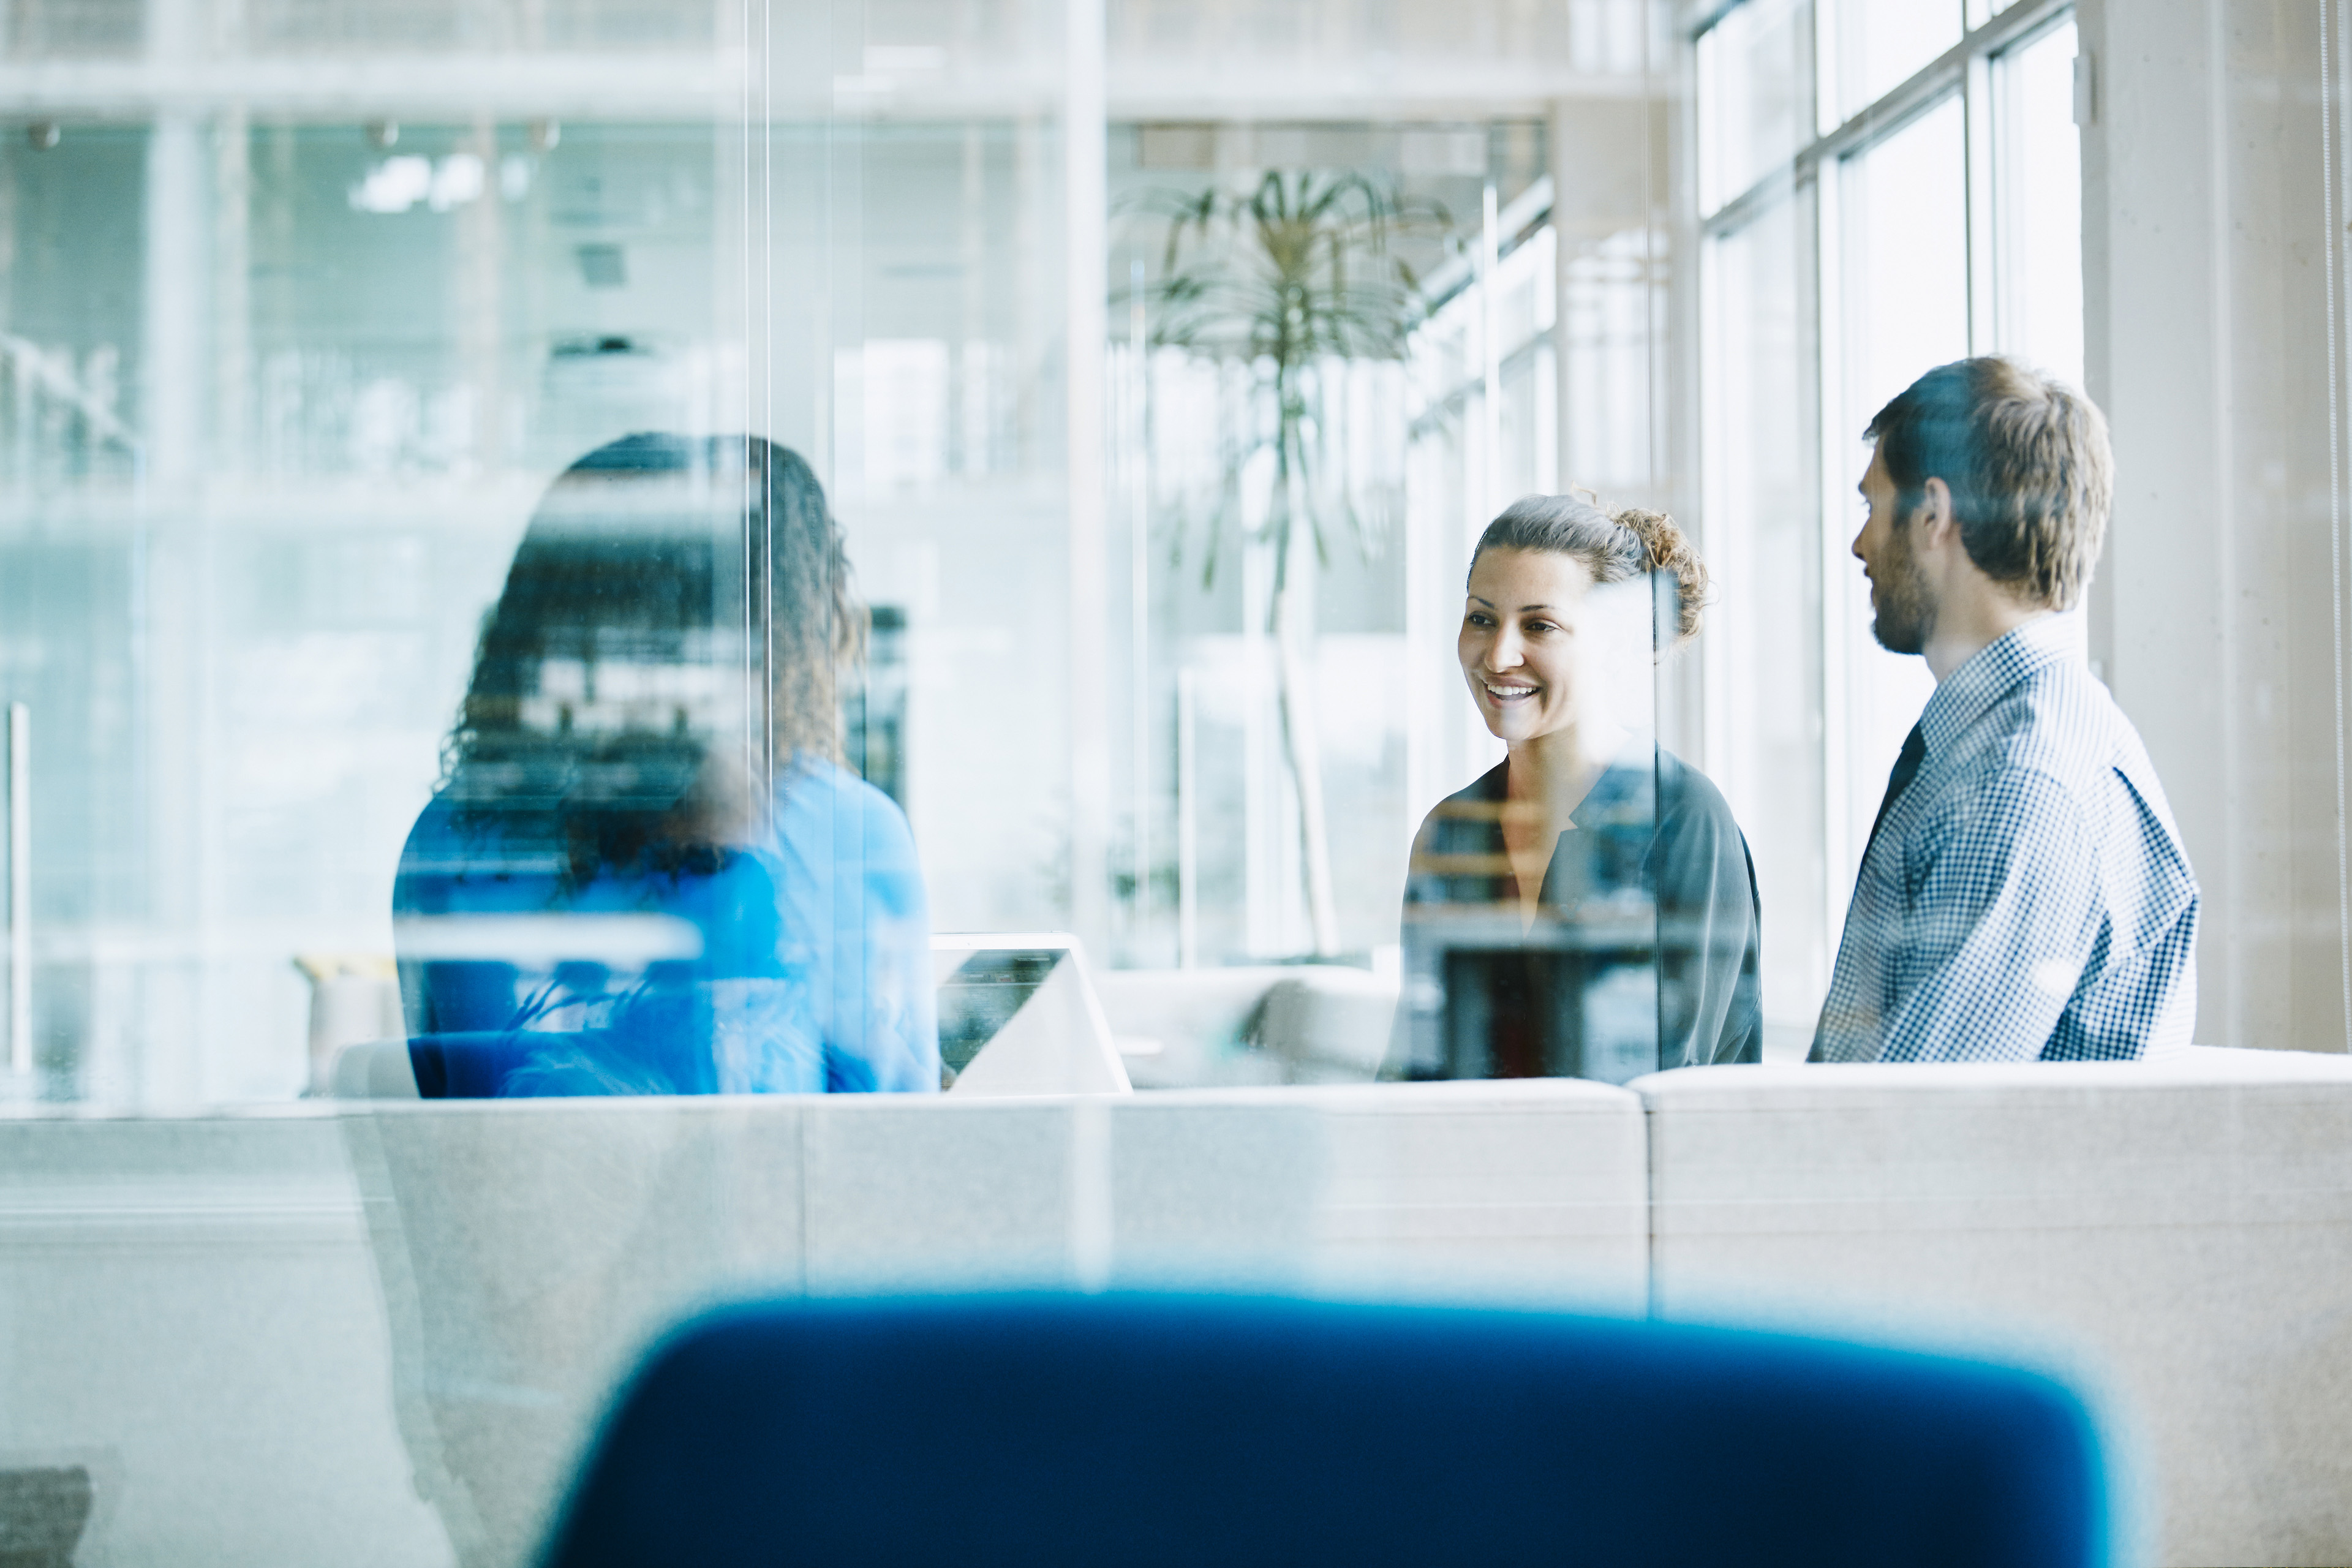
[[173, 385], [480, 267], [232, 292], [2207, 337], [172, 577]]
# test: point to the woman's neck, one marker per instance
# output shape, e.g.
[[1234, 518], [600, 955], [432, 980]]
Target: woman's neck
[[1546, 779], [1554, 772]]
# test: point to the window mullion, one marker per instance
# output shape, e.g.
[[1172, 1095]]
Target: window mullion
[[1983, 216], [1829, 383], [1825, 68]]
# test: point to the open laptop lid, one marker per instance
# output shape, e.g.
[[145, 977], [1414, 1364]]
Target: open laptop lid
[[1018, 1015]]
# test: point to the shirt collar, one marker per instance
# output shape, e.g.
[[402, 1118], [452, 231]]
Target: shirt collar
[[1632, 769], [1622, 784], [1995, 671]]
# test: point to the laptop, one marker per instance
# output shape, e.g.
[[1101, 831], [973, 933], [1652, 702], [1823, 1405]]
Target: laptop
[[1018, 1015]]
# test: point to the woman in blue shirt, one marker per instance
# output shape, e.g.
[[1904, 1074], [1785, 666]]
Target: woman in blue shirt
[[646, 869]]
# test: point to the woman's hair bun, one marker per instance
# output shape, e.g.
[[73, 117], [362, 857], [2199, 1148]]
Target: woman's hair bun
[[1615, 548], [1665, 549]]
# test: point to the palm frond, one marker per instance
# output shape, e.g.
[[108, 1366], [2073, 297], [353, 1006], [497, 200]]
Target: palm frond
[[1297, 270]]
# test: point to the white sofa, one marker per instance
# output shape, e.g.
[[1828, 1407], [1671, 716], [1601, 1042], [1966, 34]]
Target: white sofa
[[1205, 1028], [189, 1309], [529, 1250], [271, 1323], [2175, 1237]]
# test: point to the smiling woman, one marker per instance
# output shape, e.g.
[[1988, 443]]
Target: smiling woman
[[1588, 907]]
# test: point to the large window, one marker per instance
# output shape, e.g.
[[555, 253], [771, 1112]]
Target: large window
[[1882, 188]]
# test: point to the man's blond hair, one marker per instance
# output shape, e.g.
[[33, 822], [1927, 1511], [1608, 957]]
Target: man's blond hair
[[2026, 458]]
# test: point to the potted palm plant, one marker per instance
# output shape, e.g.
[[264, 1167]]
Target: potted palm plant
[[1291, 278]]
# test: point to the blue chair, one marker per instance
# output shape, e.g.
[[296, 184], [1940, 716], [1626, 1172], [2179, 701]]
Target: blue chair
[[1134, 1431]]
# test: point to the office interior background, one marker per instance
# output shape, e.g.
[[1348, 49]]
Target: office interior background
[[305, 303]]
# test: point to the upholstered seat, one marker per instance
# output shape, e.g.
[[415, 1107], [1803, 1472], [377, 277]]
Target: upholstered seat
[[1134, 1430]]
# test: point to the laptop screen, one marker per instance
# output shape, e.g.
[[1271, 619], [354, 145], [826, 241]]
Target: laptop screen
[[981, 993]]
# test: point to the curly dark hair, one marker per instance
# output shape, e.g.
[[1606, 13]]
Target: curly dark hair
[[625, 709]]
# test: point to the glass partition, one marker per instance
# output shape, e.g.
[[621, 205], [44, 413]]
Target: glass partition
[[263, 492], [293, 367], [845, 593], [1763, 651], [293, 373]]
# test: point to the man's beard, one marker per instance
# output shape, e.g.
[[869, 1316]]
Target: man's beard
[[1907, 615]]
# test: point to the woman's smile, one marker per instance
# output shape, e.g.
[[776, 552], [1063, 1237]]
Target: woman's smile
[[1519, 641]]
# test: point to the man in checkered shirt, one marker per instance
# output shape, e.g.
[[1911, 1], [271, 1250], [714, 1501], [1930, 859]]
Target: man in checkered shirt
[[2024, 893]]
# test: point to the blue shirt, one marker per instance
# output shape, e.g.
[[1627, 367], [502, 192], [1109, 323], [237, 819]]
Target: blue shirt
[[800, 963], [2026, 896]]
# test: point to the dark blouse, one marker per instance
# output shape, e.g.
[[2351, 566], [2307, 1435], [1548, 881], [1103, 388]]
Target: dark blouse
[[1655, 875]]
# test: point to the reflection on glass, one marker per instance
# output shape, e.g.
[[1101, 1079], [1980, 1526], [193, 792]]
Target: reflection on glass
[[645, 870], [1764, 649], [1755, 97], [1880, 43], [1586, 907], [1904, 305], [2040, 215], [1274, 484]]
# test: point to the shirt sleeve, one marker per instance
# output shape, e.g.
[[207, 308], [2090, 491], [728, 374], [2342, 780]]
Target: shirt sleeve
[[883, 1031], [2000, 916], [1708, 1002]]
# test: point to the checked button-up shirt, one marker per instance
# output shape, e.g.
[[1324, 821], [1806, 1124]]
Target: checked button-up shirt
[[2026, 894]]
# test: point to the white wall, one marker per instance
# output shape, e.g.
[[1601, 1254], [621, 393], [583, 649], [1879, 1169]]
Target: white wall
[[2205, 262]]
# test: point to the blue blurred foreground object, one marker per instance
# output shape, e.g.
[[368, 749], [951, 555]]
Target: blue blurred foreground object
[[1045, 1431]]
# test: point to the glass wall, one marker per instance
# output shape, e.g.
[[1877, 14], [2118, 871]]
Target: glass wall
[[414, 416], [297, 339], [295, 344], [306, 305]]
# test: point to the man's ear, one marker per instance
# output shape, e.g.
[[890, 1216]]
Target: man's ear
[[1932, 522]]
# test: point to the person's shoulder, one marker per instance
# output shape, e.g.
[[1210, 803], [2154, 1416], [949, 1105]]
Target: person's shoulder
[[1700, 853], [2058, 730], [2034, 778], [435, 842], [454, 861], [823, 780], [816, 794], [1687, 796], [1477, 803], [1684, 784]]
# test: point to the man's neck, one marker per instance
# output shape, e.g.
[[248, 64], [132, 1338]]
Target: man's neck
[[1968, 623]]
